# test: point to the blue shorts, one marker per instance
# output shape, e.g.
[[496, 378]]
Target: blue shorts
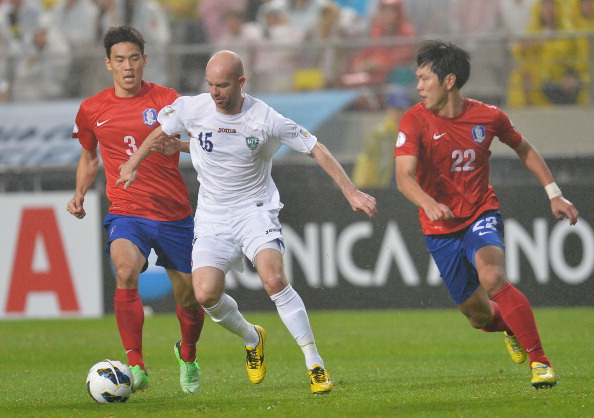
[[454, 253], [172, 241]]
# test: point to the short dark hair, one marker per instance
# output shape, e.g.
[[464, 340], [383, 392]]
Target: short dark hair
[[445, 58], [115, 35]]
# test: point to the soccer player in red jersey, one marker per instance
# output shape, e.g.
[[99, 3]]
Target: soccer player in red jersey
[[154, 214], [442, 153]]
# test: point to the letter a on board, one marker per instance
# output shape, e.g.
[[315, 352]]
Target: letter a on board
[[40, 223]]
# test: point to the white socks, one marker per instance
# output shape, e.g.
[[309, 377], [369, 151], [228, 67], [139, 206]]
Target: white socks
[[292, 311], [226, 313]]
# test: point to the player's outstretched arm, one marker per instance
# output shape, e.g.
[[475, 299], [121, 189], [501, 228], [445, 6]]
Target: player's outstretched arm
[[406, 168], [359, 201], [561, 207], [129, 170], [86, 172], [170, 145]]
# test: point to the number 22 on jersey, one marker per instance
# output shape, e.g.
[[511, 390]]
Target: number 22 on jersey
[[463, 160]]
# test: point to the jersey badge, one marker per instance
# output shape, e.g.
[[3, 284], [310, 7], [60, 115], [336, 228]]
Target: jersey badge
[[252, 142], [169, 110], [400, 140], [75, 129], [303, 132], [479, 134], [149, 116]]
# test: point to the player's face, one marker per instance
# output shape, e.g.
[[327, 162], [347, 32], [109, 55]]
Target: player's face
[[433, 94], [126, 64], [225, 89]]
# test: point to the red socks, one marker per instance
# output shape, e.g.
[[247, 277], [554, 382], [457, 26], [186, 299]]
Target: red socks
[[190, 324], [129, 315], [517, 314], [497, 324]]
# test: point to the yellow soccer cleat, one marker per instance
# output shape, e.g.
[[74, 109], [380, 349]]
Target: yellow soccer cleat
[[517, 353], [543, 376], [320, 380], [254, 359]]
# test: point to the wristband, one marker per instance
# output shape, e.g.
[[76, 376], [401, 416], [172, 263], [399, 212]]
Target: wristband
[[553, 190]]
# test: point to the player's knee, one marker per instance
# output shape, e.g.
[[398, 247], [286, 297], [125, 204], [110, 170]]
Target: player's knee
[[275, 283], [480, 320], [206, 298], [493, 280], [188, 301], [126, 277]]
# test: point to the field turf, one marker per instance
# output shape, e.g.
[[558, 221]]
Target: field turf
[[412, 363]]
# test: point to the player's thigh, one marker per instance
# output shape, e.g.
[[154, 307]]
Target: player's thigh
[[477, 308], [173, 244], [484, 247], [456, 271], [129, 242], [128, 261], [269, 263], [215, 245], [490, 265], [256, 229]]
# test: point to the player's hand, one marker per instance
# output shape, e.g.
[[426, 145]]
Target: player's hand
[[75, 206], [166, 145], [127, 174], [362, 202], [563, 208], [438, 212]]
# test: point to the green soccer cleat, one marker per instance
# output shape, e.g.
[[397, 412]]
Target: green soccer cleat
[[517, 353], [320, 380], [141, 379], [543, 376], [189, 372], [254, 359]]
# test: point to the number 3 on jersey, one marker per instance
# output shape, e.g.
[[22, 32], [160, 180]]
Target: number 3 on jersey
[[131, 143]]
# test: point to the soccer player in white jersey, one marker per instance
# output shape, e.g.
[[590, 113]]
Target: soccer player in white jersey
[[233, 139]]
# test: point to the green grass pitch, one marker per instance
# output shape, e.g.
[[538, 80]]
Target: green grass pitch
[[416, 363]]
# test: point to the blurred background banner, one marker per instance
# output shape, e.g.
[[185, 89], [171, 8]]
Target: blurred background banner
[[339, 259], [36, 133], [51, 261], [53, 264]]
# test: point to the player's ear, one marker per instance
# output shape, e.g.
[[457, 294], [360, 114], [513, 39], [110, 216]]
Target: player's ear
[[107, 64], [144, 57], [450, 81]]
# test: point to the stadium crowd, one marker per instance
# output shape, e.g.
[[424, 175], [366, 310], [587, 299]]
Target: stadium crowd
[[525, 52]]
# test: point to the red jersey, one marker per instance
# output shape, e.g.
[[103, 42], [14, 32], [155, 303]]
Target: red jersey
[[453, 159], [119, 125]]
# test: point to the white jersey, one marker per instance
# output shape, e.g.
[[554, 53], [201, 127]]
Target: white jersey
[[232, 154]]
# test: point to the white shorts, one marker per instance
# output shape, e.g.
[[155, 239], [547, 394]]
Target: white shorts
[[221, 240]]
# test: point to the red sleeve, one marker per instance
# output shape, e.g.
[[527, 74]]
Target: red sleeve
[[408, 141], [507, 132], [82, 130]]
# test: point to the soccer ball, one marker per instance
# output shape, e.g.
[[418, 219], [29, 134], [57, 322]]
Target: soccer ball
[[110, 381]]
